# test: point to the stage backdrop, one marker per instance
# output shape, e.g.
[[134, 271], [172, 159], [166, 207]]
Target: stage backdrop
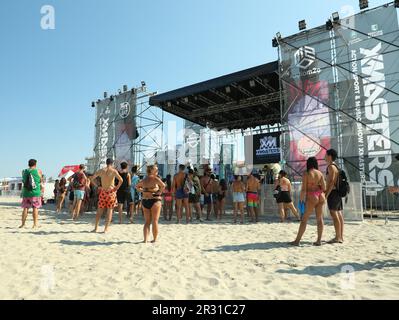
[[341, 90], [115, 129]]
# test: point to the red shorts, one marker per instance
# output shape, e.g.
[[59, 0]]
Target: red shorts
[[107, 200], [34, 202]]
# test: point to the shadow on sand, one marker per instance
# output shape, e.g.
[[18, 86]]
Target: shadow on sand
[[327, 271], [91, 243], [251, 246]]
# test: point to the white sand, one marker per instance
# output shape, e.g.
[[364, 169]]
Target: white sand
[[62, 260]]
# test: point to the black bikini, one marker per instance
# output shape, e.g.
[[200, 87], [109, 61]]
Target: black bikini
[[149, 203]]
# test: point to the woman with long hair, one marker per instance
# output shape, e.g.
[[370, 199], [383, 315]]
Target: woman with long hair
[[152, 188], [221, 197], [168, 199], [284, 200], [313, 194], [61, 193]]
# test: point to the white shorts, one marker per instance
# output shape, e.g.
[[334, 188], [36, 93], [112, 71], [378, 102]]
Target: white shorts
[[238, 197]]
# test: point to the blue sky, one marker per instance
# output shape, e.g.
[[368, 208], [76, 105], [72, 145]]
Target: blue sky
[[48, 78]]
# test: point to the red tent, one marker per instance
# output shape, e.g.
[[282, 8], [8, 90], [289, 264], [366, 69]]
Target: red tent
[[66, 169]]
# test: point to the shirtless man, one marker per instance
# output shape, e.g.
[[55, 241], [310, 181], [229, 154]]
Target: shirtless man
[[206, 187], [253, 188], [334, 200], [107, 192], [181, 195]]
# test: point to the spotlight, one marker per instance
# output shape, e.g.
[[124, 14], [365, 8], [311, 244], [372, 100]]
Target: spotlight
[[396, 3], [274, 43], [93, 104], [302, 25], [278, 35], [105, 95], [185, 99], [329, 25], [119, 91], [111, 98], [143, 83], [228, 89], [98, 101], [124, 88], [335, 16], [252, 83], [363, 4], [169, 104], [133, 91]]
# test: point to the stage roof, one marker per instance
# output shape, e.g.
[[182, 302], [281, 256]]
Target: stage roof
[[244, 99]]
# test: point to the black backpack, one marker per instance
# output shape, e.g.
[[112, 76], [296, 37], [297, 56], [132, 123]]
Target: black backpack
[[343, 187], [29, 182]]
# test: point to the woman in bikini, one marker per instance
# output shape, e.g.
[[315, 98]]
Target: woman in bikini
[[152, 189], [61, 192], [313, 188], [284, 200]]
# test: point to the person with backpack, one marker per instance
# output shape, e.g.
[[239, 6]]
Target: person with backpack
[[31, 192], [334, 194], [79, 181]]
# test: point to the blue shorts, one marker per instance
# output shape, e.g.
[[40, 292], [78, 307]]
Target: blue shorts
[[207, 199], [79, 194], [180, 194]]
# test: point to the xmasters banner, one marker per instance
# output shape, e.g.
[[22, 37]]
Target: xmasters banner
[[341, 90], [115, 129]]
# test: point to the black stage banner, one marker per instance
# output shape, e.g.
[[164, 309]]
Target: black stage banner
[[266, 148]]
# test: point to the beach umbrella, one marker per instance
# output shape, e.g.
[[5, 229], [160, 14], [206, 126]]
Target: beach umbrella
[[67, 171]]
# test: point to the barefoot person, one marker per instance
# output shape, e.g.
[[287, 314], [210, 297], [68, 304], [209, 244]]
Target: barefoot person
[[123, 195], [134, 194], [168, 199], [152, 188], [79, 182], [313, 187], [253, 187], [284, 200], [222, 192], [334, 200], [206, 187], [181, 195], [107, 193], [31, 192], [195, 194], [238, 188], [61, 193]]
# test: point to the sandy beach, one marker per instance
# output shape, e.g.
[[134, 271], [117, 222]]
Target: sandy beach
[[63, 260]]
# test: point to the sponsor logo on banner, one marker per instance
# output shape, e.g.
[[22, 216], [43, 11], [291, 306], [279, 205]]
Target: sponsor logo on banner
[[124, 110], [268, 146], [305, 57], [103, 136]]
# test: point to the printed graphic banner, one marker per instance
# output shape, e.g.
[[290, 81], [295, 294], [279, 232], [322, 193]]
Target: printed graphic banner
[[115, 129], [266, 148], [342, 91]]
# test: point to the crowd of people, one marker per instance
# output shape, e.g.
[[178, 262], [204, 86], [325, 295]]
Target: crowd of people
[[187, 193]]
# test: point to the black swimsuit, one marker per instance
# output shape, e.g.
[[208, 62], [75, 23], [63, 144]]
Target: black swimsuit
[[149, 203]]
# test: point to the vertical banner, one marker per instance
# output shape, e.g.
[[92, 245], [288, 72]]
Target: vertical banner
[[115, 129], [341, 91]]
